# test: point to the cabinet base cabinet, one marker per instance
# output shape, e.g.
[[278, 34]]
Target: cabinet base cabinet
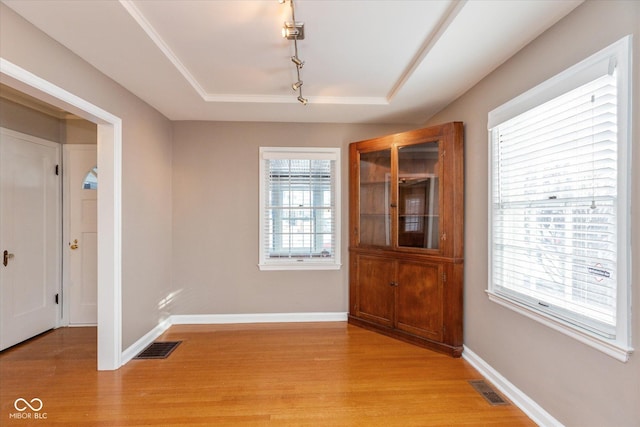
[[417, 301]]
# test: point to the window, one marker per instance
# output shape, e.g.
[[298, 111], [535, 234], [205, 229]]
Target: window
[[299, 208], [413, 209], [559, 202], [90, 181]]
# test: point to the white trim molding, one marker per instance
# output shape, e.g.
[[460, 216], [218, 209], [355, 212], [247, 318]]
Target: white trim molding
[[226, 319], [513, 393], [620, 353], [221, 319]]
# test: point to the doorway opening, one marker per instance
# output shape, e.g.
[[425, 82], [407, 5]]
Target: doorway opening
[[109, 130]]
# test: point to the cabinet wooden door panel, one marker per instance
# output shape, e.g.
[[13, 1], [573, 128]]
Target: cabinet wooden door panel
[[419, 299], [375, 300]]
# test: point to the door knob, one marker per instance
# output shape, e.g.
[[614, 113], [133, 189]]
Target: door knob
[[74, 245], [6, 256]]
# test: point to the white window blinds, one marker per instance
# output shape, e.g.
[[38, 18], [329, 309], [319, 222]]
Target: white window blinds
[[555, 243], [299, 219], [555, 221]]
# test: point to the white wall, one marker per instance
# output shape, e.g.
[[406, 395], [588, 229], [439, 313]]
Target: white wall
[[146, 176], [576, 384], [215, 219]]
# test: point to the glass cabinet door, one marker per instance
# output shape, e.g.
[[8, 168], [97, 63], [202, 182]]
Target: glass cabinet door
[[418, 204], [375, 193]]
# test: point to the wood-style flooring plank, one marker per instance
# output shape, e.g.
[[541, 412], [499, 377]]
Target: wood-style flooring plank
[[294, 374]]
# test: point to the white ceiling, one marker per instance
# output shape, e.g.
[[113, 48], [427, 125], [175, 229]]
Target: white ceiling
[[381, 61]]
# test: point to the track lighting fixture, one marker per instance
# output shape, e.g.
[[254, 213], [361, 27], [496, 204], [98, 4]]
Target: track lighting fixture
[[295, 31]]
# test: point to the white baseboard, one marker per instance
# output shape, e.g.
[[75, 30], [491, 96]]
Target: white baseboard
[[220, 319], [513, 393], [134, 349]]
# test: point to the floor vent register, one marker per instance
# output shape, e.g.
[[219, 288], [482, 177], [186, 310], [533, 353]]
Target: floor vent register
[[489, 394], [158, 350]]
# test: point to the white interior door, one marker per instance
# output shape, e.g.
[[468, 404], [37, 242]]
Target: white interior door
[[81, 197], [29, 236]]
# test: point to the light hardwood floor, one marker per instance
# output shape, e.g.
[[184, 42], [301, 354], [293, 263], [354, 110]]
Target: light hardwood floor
[[295, 374]]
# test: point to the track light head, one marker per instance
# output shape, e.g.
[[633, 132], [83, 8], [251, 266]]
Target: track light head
[[296, 85], [303, 100], [297, 61]]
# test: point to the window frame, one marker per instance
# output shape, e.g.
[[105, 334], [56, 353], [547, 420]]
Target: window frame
[[300, 153], [619, 346]]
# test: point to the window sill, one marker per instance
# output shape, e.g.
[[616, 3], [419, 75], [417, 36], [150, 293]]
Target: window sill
[[615, 350], [298, 266]]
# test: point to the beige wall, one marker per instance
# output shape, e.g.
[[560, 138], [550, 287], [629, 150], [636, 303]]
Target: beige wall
[[79, 131], [19, 118], [578, 385], [146, 175], [32, 121], [215, 219]]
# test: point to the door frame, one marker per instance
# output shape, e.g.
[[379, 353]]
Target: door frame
[[109, 202]]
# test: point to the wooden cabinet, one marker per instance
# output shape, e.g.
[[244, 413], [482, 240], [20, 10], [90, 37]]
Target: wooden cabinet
[[406, 221]]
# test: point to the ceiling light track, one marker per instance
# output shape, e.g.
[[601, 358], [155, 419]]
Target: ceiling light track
[[295, 31]]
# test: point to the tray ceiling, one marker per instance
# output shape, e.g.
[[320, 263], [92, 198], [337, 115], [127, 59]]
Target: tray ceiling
[[365, 61]]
